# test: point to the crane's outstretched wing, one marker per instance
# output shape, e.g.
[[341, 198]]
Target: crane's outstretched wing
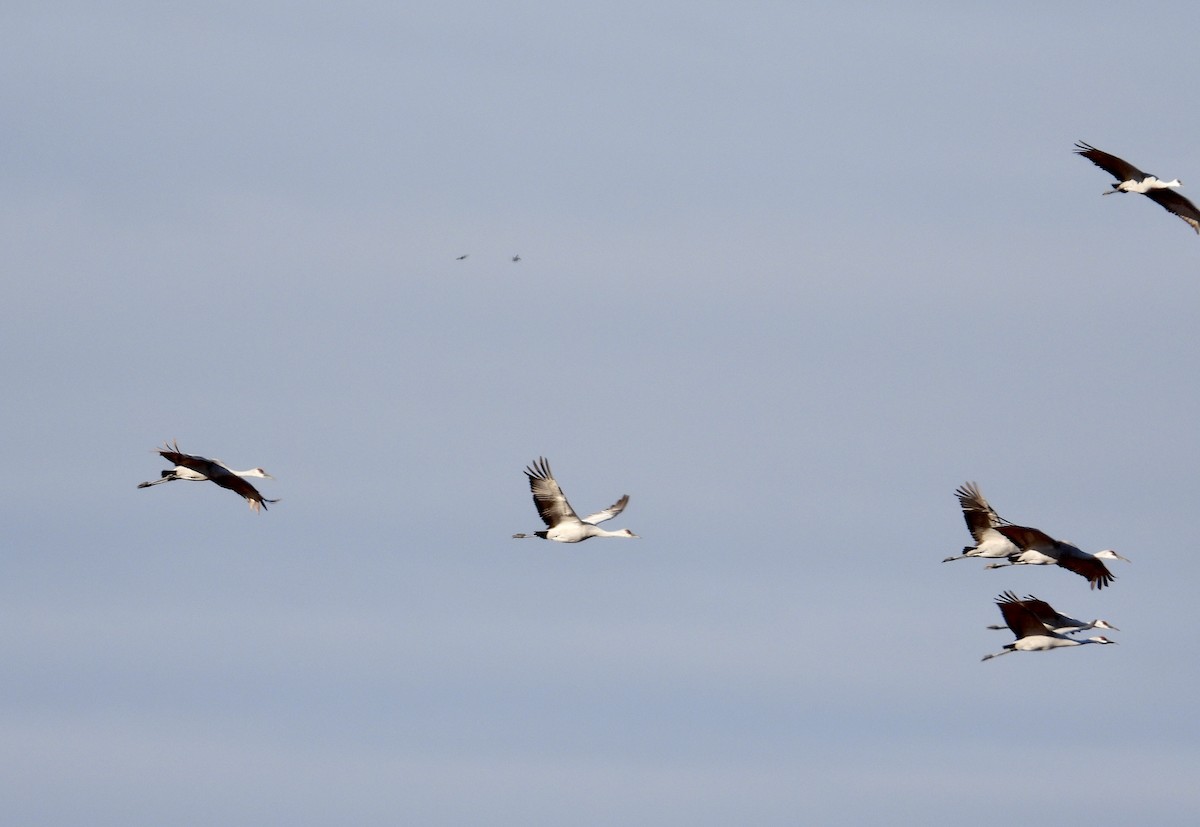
[[608, 513], [551, 503], [1173, 202], [240, 485], [1042, 610], [1114, 166], [201, 465], [978, 513], [1017, 617], [1093, 569]]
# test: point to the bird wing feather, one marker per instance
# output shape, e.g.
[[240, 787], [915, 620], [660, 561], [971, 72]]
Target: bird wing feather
[[978, 513], [201, 465], [550, 500], [1043, 610], [1024, 537], [242, 486], [1040, 608], [1116, 167], [608, 513], [1085, 565], [1018, 617], [1173, 202]]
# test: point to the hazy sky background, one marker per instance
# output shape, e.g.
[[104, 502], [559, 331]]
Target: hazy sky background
[[789, 276]]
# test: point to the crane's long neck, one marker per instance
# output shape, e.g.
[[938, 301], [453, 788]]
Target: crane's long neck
[[602, 532]]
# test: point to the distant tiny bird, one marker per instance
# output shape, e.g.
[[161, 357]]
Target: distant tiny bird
[[1053, 621], [463, 256], [1131, 179], [189, 467], [996, 538], [516, 258], [562, 524], [1032, 634]]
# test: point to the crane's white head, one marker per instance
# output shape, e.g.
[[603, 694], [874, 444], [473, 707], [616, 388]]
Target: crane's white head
[[1109, 554], [1104, 624], [627, 533], [258, 472]]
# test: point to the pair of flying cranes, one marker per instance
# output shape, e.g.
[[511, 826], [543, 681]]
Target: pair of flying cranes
[[562, 523]]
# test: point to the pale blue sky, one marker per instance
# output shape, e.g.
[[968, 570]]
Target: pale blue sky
[[789, 277]]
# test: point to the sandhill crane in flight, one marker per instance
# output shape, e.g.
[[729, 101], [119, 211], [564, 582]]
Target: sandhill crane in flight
[[995, 537], [463, 257], [1032, 634], [1053, 621], [562, 524], [516, 258], [982, 521], [1131, 179], [189, 467]]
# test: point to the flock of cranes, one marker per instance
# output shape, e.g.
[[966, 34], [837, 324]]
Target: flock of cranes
[[1036, 625]]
